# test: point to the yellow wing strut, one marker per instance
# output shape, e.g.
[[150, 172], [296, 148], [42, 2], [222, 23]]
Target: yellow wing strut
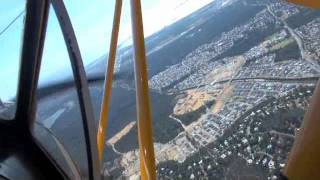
[[108, 79], [147, 160]]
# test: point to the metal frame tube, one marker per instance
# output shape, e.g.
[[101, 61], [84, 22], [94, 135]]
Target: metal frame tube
[[32, 49], [147, 160], [81, 82], [36, 19], [108, 79]]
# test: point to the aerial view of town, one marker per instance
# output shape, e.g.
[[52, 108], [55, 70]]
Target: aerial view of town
[[236, 98], [229, 87]]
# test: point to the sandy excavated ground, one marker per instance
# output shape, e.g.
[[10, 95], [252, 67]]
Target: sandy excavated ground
[[195, 98], [222, 98], [192, 101], [121, 133]]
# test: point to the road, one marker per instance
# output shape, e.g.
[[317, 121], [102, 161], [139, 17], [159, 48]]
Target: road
[[282, 134], [298, 40], [263, 79], [114, 149], [179, 121]]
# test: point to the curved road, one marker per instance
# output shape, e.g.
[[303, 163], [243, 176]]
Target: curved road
[[298, 40]]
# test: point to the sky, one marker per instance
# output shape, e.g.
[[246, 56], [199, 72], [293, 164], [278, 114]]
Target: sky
[[92, 22]]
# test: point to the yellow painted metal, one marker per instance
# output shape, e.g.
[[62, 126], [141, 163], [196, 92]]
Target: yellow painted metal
[[147, 160], [308, 3], [304, 158], [108, 79]]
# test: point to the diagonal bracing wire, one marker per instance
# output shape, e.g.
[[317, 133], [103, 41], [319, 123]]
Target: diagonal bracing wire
[[14, 20]]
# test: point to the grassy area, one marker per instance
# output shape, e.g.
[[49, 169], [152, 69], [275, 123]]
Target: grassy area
[[273, 36], [286, 50], [282, 44]]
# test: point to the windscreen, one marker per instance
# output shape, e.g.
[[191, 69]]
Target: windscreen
[[59, 125], [11, 29], [229, 80]]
